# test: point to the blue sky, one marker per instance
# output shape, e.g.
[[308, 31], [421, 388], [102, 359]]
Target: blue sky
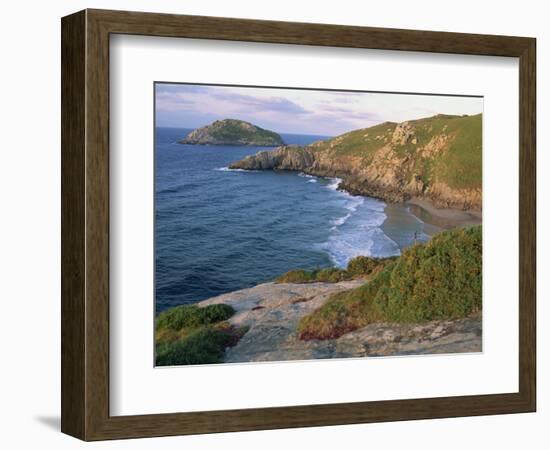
[[326, 113]]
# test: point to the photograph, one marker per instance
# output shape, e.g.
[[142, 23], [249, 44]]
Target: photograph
[[302, 224]]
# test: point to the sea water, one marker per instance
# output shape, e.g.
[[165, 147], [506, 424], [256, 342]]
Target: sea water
[[218, 230]]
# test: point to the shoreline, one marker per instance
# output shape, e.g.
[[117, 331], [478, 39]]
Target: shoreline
[[436, 219], [446, 218]]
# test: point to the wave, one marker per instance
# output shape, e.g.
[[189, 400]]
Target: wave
[[310, 178], [227, 169], [358, 231], [334, 183], [341, 248]]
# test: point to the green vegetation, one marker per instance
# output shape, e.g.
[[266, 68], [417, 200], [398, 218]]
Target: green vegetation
[[194, 335], [363, 142], [192, 316], [437, 280], [460, 166], [233, 132], [358, 267], [237, 130]]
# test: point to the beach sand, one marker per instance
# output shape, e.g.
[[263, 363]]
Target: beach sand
[[443, 218], [404, 220]]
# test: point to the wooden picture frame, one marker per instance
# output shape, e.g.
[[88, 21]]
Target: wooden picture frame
[[85, 224]]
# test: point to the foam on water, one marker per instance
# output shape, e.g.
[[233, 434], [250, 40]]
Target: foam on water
[[227, 169], [218, 229], [357, 232]]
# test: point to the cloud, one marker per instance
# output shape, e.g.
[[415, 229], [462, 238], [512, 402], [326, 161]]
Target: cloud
[[259, 104], [318, 112]]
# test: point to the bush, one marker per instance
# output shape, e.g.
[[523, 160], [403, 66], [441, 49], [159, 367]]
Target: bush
[[438, 280], [191, 316], [206, 345], [360, 266], [193, 335], [331, 275], [365, 265], [296, 276]]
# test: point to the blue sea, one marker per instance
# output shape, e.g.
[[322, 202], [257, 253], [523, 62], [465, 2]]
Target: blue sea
[[218, 230]]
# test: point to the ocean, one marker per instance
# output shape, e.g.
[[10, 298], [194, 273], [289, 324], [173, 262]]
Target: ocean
[[218, 230]]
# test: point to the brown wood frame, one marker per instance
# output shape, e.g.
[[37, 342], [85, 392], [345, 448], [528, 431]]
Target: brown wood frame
[[85, 224]]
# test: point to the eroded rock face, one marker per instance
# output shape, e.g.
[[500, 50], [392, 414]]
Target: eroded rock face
[[287, 157], [401, 167], [272, 313], [404, 133]]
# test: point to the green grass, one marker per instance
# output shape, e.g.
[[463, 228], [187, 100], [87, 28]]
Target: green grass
[[438, 280], [231, 130], [362, 142], [205, 345], [193, 335], [191, 316], [459, 166], [360, 266]]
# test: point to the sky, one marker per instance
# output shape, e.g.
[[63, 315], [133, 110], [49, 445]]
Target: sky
[[298, 111]]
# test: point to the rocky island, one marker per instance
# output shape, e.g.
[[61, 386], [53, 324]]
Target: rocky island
[[233, 132], [435, 159]]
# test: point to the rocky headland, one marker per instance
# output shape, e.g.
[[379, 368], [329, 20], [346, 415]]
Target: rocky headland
[[437, 159], [272, 312], [233, 132]]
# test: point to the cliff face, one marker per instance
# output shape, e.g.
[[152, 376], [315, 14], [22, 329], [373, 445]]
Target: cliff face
[[232, 132], [437, 158]]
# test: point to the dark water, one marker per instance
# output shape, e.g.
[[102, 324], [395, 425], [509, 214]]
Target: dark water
[[219, 230]]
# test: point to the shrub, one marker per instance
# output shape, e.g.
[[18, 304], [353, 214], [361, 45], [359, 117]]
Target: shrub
[[191, 316], [438, 280], [193, 335], [206, 345], [359, 266], [366, 265], [331, 275], [296, 276]]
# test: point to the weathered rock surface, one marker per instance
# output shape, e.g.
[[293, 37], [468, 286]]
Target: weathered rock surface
[[394, 162], [272, 313], [232, 132]]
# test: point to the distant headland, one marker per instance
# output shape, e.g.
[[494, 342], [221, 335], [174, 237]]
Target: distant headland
[[233, 132], [437, 159]]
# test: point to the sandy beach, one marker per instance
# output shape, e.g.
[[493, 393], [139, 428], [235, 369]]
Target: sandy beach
[[443, 218]]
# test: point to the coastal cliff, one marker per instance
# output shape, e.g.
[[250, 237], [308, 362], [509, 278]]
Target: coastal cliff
[[233, 132], [437, 159]]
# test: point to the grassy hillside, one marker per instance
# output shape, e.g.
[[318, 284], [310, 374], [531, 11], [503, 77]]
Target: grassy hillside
[[441, 279], [458, 164], [437, 158]]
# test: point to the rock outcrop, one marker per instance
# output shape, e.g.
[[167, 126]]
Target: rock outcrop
[[438, 159], [272, 313], [233, 132]]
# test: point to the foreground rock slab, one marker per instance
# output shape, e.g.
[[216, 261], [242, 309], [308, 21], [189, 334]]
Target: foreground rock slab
[[272, 313]]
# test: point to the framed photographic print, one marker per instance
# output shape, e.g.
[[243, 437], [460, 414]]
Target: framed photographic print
[[270, 224]]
